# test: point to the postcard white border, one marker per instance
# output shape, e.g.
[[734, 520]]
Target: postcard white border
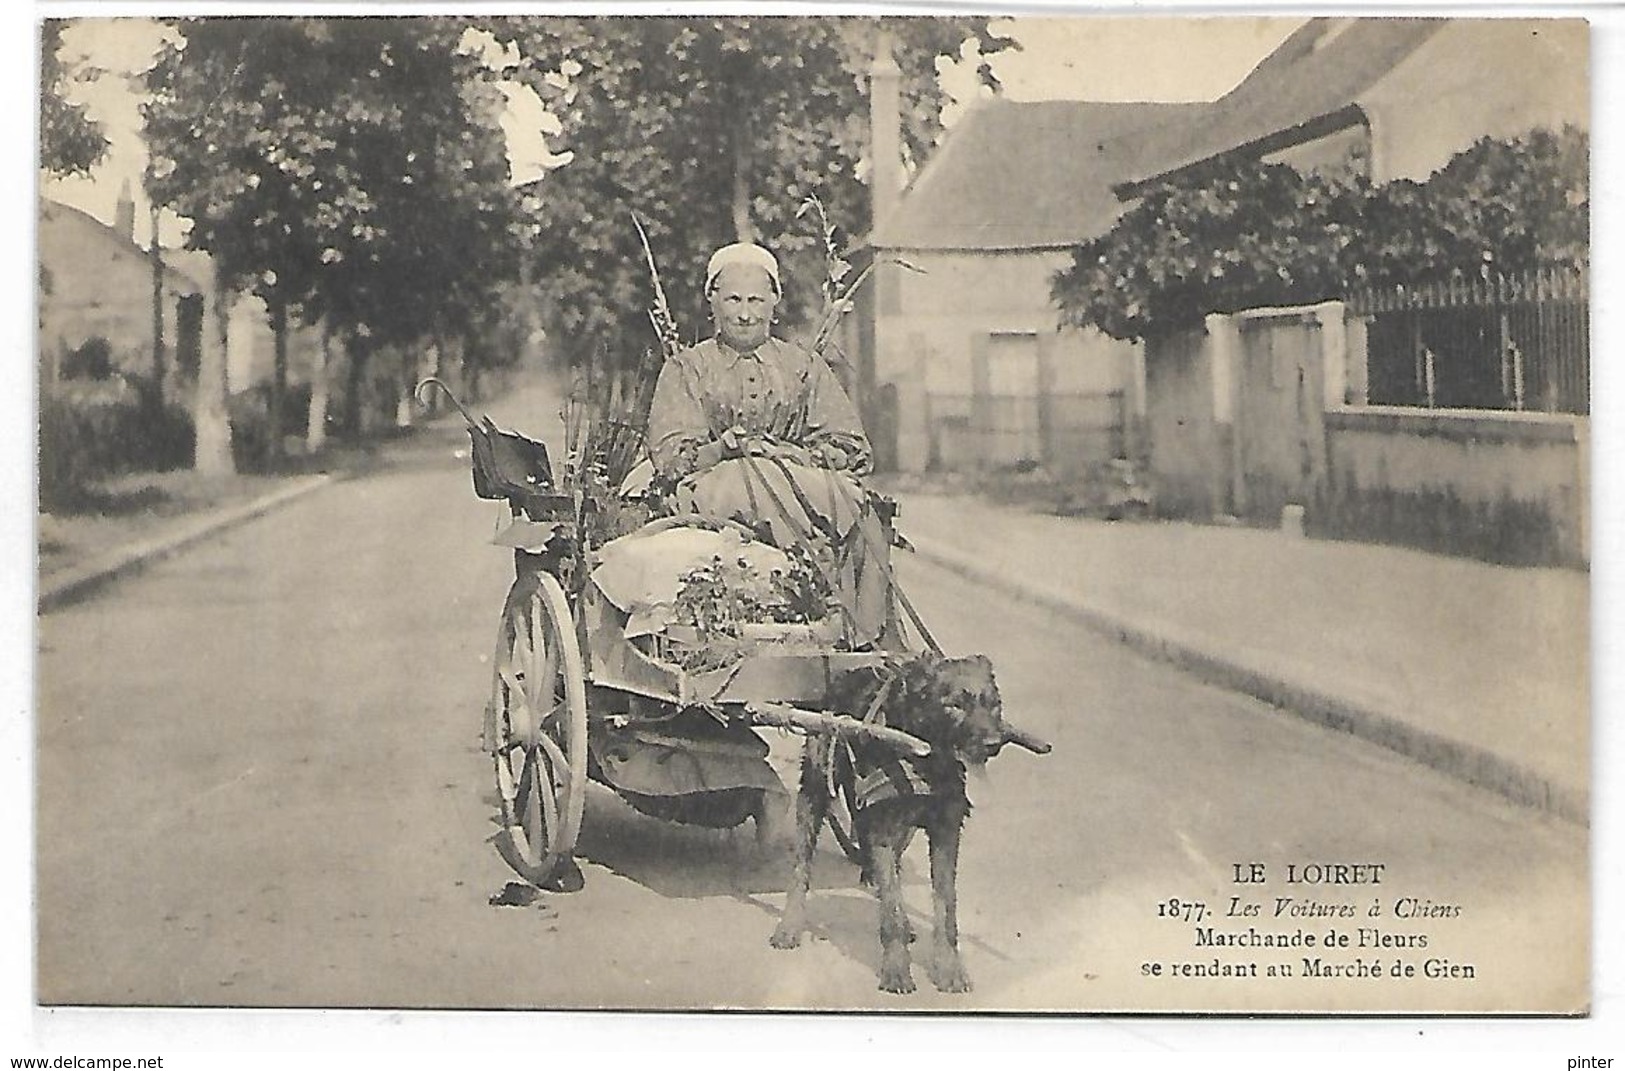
[[414, 1040]]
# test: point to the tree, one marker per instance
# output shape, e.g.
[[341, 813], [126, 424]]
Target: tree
[[1243, 234], [1236, 236], [71, 143], [1500, 206], [349, 172], [709, 129]]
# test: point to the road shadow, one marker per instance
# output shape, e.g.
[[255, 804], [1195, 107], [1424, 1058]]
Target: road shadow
[[848, 920], [685, 862], [688, 862]]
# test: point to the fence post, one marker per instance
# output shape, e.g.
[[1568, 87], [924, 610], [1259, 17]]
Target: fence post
[[1419, 360], [1047, 446], [1511, 361], [1549, 366]]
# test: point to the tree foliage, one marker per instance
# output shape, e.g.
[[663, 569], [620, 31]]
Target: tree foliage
[[1520, 203], [1243, 234], [347, 171], [704, 127], [71, 143], [352, 168]]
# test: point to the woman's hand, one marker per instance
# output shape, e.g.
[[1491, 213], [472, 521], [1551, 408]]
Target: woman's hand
[[831, 456], [734, 442], [706, 457], [737, 442]]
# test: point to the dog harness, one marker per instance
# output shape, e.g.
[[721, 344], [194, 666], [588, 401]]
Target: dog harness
[[887, 779], [877, 780]]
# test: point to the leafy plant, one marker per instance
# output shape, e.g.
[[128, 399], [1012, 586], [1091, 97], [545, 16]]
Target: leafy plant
[[1244, 234], [92, 429], [717, 600]]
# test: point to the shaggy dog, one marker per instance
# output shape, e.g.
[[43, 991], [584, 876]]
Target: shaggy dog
[[953, 705]]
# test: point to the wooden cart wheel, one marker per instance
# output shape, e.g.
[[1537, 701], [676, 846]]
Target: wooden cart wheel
[[538, 719]]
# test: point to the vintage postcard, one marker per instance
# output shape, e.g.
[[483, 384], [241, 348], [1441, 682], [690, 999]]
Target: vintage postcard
[[1080, 514]]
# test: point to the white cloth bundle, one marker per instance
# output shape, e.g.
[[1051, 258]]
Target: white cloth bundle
[[642, 573]]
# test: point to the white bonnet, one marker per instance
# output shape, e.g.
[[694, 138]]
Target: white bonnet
[[742, 253]]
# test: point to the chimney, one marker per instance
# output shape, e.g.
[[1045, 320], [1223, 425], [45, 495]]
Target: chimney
[[885, 129], [124, 213]]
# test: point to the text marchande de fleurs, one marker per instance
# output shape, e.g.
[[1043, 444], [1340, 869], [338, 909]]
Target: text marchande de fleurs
[[1337, 896]]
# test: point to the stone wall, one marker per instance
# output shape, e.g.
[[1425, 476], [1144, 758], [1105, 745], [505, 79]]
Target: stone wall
[[1503, 486]]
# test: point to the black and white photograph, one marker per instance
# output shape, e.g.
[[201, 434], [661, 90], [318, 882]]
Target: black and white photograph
[[1079, 513]]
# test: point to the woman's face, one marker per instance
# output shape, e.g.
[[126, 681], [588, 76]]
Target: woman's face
[[742, 304]]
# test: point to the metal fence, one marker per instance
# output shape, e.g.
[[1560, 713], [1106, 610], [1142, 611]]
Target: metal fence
[[1061, 430], [1512, 342]]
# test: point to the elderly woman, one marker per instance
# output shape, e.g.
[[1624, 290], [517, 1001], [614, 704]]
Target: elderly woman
[[757, 429], [744, 390]]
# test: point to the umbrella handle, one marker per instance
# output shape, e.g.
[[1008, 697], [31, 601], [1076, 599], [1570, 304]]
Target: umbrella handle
[[420, 392]]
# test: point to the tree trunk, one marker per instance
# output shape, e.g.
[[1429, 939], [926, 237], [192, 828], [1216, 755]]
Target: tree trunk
[[438, 370], [211, 417], [360, 349], [411, 362], [457, 363], [279, 375], [316, 427], [159, 363], [740, 199]]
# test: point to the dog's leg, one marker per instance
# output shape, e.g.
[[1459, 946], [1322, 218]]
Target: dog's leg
[[812, 803], [947, 970], [895, 974], [902, 849]]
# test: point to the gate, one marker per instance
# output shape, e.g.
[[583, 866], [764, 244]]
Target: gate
[[1278, 414]]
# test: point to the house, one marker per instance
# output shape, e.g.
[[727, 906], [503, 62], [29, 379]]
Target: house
[[1264, 411], [96, 290], [96, 302], [1387, 98], [969, 345]]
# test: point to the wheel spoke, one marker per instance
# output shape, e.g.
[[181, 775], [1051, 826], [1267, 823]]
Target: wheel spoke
[[550, 805], [507, 788], [533, 822], [551, 713], [521, 794], [541, 683], [521, 646], [538, 725], [563, 776], [511, 677], [548, 677]]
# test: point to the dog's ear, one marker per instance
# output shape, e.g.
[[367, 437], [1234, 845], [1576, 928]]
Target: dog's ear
[[920, 670]]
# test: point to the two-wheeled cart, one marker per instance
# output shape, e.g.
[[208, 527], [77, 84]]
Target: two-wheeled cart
[[574, 699]]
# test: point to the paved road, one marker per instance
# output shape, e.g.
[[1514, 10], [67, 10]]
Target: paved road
[[259, 783]]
